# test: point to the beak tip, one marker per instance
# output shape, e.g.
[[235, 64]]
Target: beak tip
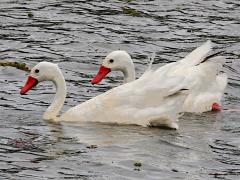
[[103, 71], [95, 81], [31, 82], [22, 92]]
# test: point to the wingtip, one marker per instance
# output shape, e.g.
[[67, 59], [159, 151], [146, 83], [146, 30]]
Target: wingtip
[[209, 43]]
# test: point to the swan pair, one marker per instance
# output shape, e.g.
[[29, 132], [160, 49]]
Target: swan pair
[[155, 99]]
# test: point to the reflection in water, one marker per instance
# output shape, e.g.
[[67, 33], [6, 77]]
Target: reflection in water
[[77, 35]]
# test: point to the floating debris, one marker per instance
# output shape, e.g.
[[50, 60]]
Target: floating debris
[[21, 66], [137, 164], [178, 8], [30, 14], [174, 170], [131, 11], [43, 158], [92, 146]]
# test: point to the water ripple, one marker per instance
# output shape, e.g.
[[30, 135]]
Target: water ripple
[[77, 35]]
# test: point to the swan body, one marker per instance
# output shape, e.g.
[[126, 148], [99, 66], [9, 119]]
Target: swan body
[[138, 102], [202, 77]]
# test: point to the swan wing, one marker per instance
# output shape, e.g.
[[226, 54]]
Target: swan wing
[[207, 87], [198, 55], [139, 102]]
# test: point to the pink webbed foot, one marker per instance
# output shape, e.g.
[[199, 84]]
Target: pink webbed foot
[[216, 107]]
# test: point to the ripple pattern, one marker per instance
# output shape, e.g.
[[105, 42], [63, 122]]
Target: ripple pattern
[[77, 34]]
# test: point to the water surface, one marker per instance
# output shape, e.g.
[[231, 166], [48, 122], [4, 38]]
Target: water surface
[[77, 34]]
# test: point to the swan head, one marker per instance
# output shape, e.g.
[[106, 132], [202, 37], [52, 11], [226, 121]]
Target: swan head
[[115, 61], [43, 71]]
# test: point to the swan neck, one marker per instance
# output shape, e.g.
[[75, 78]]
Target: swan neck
[[129, 74], [58, 101]]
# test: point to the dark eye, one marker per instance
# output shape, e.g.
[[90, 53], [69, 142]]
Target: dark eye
[[37, 71], [111, 60]]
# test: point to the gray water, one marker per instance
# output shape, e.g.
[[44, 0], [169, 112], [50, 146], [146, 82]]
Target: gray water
[[77, 34]]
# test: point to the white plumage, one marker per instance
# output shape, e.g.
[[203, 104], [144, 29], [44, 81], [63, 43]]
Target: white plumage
[[157, 98], [204, 80]]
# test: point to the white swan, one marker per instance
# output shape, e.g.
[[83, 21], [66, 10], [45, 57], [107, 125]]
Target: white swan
[[207, 89], [150, 100]]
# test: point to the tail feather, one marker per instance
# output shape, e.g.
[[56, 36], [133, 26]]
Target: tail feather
[[199, 54], [222, 80], [211, 56], [151, 59], [211, 68]]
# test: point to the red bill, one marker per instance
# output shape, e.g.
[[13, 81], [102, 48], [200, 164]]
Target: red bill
[[31, 82], [103, 71]]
